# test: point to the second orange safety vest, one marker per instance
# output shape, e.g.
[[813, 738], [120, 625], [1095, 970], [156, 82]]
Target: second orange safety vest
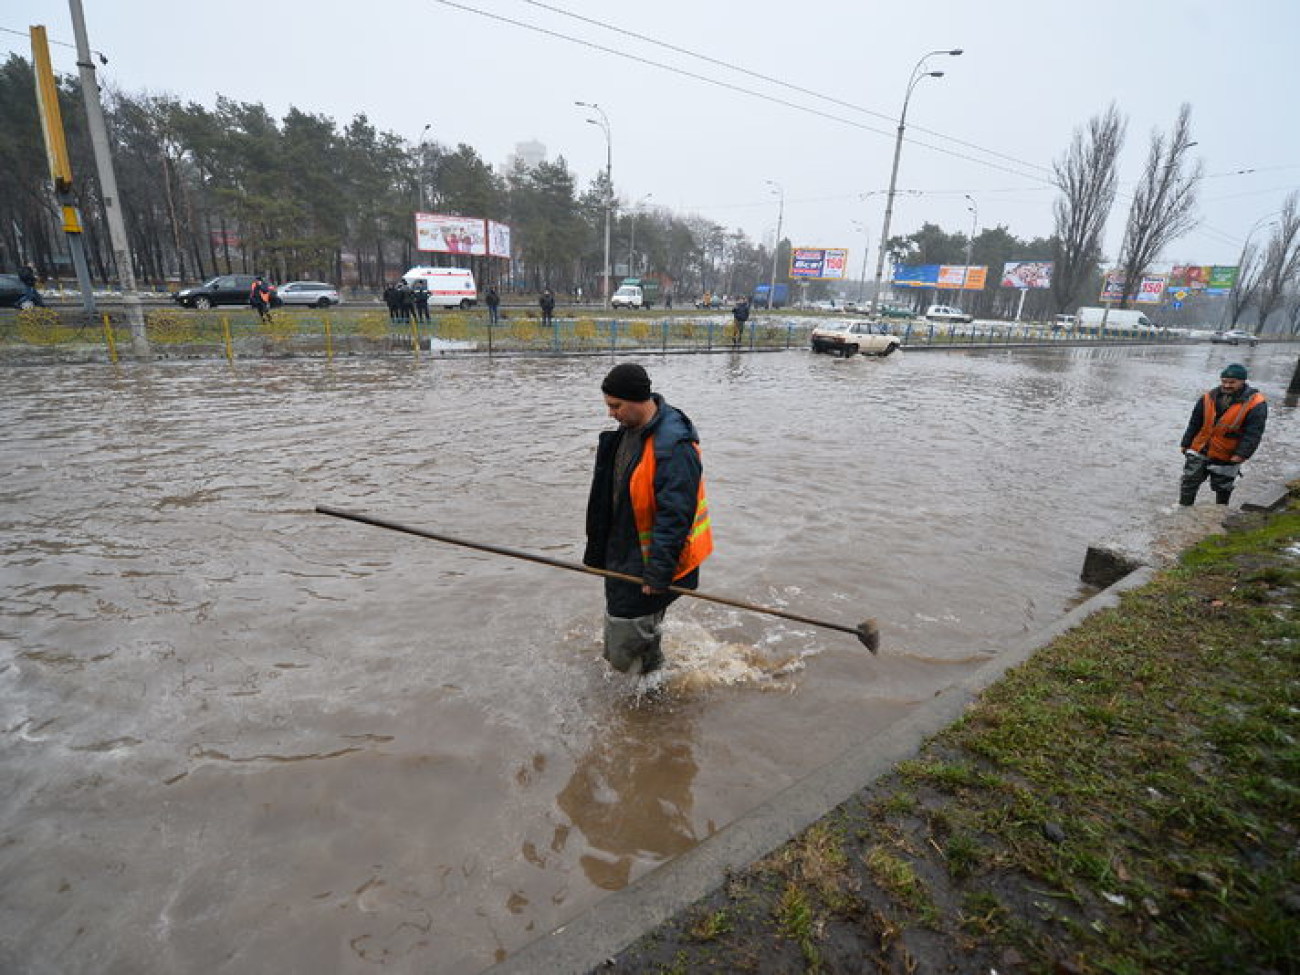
[[1218, 436]]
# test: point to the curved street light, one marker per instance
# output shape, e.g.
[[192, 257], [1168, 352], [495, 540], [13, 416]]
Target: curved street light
[[603, 122], [913, 81], [776, 243]]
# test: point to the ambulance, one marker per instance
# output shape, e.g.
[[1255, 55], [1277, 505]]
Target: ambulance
[[448, 287]]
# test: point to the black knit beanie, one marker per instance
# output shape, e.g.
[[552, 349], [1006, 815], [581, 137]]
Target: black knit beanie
[[628, 381]]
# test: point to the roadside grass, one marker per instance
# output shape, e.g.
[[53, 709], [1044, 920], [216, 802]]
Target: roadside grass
[[1127, 801]]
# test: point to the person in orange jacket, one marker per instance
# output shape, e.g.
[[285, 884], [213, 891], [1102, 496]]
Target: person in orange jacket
[[1224, 431], [647, 515]]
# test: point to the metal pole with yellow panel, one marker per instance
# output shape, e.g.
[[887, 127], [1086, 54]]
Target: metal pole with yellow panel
[[56, 150]]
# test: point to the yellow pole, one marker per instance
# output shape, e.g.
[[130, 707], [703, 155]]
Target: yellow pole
[[225, 327], [108, 334], [329, 341], [415, 336]]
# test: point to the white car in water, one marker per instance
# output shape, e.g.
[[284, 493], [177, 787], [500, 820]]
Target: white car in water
[[849, 338]]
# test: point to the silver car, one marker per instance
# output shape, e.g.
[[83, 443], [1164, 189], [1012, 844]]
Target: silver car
[[317, 294]]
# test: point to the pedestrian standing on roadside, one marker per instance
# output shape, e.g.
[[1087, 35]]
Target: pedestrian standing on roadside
[[547, 303], [494, 305], [27, 275], [647, 515], [1224, 431], [420, 294], [391, 300], [739, 316]]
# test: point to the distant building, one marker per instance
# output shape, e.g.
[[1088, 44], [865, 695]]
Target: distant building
[[527, 154]]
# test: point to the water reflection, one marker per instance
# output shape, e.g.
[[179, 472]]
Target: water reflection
[[630, 793]]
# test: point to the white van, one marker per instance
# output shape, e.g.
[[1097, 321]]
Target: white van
[[448, 287], [1126, 319]]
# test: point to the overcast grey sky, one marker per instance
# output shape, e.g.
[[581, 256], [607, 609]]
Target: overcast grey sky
[[990, 128]]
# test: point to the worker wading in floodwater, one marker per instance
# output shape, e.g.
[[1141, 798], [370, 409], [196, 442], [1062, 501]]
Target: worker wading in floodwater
[[1224, 430], [647, 515]]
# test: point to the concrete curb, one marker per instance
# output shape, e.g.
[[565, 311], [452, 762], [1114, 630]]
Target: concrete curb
[[623, 917]]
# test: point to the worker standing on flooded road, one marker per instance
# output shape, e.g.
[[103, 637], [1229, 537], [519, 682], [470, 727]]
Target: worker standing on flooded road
[[647, 515], [1225, 429]]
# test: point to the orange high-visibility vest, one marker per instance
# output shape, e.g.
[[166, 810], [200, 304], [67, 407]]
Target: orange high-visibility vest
[[699, 542], [1218, 436]]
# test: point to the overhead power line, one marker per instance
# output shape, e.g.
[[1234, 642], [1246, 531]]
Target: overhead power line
[[807, 109], [708, 59]]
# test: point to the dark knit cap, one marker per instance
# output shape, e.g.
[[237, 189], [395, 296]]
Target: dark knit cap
[[627, 381], [1234, 371]]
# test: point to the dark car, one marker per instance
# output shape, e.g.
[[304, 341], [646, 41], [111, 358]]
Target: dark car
[[225, 289], [13, 293]]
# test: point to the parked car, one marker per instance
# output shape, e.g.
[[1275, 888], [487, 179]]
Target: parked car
[[849, 338], [947, 313], [1235, 336], [318, 294], [895, 311], [13, 293], [225, 289]]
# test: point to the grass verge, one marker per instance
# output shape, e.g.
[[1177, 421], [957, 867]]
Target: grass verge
[[1127, 801]]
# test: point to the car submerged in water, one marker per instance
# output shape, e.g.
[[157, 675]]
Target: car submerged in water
[[1235, 336], [847, 339]]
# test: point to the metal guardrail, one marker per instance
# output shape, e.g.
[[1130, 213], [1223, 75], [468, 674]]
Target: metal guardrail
[[238, 333]]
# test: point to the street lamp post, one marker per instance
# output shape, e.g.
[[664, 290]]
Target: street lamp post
[[631, 240], [917, 75], [974, 209], [776, 244], [603, 122], [424, 163]]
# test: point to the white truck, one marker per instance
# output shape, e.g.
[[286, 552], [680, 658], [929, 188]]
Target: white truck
[[1120, 319], [448, 287]]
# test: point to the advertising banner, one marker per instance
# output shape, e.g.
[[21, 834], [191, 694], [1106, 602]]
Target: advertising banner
[[443, 234], [1151, 290], [1112, 289], [1205, 279], [498, 239], [916, 275], [1027, 274], [968, 277], [818, 263]]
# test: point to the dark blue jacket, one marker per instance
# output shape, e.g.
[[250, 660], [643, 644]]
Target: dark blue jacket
[[612, 541]]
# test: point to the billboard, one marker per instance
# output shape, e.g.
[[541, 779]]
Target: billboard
[[968, 277], [1151, 290], [498, 239], [442, 234], [818, 263], [1204, 279], [1027, 274]]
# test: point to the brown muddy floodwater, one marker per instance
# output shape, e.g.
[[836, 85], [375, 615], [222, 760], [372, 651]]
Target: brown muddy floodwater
[[243, 737]]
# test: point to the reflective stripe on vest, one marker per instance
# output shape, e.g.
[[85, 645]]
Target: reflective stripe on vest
[[1218, 436], [699, 541]]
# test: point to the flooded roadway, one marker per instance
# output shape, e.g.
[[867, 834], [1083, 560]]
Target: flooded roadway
[[239, 736]]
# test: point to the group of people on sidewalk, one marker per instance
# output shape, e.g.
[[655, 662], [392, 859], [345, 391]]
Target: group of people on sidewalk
[[405, 303]]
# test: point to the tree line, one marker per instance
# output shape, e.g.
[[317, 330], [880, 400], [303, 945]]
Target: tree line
[[229, 188]]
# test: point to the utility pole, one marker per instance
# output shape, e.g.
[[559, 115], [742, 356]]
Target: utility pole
[[56, 153], [108, 183]]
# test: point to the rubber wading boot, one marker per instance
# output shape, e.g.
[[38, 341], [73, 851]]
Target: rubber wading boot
[[1221, 497]]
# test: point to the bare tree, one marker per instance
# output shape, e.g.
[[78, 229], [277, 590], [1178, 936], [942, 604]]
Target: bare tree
[[1164, 203], [1281, 261], [1086, 178], [1249, 274]]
